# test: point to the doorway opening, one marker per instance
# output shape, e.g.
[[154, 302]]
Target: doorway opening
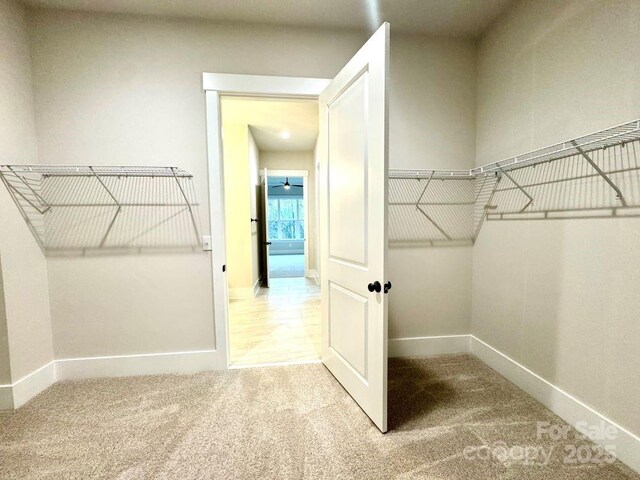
[[353, 154], [271, 224], [286, 226]]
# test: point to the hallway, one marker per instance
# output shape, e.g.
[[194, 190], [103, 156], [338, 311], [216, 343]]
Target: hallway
[[281, 324]]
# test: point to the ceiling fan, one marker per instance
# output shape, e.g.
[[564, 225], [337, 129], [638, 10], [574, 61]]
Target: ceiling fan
[[286, 185]]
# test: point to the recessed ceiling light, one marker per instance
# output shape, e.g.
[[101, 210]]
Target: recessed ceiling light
[[285, 134]]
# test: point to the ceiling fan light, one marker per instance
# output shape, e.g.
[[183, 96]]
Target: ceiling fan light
[[286, 186]]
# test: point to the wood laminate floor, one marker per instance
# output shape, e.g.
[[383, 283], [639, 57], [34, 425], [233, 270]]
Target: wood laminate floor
[[281, 324]]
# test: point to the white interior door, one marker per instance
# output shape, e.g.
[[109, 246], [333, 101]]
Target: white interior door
[[354, 161], [265, 226]]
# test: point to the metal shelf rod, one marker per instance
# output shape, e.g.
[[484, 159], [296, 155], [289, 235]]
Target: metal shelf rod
[[618, 135], [430, 204], [104, 171], [111, 205], [570, 179]]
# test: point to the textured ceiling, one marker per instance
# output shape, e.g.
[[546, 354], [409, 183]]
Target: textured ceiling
[[468, 18]]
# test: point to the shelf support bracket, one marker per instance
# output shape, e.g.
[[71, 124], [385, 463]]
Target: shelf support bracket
[[424, 189], [188, 204], [25, 198], [484, 181], [426, 215], [105, 187], [606, 178], [486, 207], [519, 188], [37, 195], [12, 192], [433, 222], [118, 210]]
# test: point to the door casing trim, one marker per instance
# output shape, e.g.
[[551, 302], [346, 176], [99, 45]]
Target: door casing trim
[[216, 85]]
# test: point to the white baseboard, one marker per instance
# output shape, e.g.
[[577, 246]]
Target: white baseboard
[[256, 286], [23, 390], [567, 407], [6, 397], [28, 387], [18, 393], [428, 346], [314, 275], [143, 364]]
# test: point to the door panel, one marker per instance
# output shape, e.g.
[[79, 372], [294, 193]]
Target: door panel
[[353, 211], [348, 338], [264, 186], [348, 173]]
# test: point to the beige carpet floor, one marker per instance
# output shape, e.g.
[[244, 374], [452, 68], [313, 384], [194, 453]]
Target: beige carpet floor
[[287, 423]]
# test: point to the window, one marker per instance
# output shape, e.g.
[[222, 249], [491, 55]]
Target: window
[[286, 218]]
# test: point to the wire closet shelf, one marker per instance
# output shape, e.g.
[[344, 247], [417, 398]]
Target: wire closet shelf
[[80, 209], [594, 176]]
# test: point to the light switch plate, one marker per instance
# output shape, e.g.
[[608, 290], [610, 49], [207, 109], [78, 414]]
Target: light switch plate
[[206, 243]]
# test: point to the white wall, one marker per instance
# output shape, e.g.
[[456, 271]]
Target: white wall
[[241, 181], [432, 125], [24, 270], [17, 128], [561, 297], [121, 89], [237, 196]]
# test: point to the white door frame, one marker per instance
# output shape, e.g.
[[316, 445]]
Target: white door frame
[[304, 174], [215, 85]]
